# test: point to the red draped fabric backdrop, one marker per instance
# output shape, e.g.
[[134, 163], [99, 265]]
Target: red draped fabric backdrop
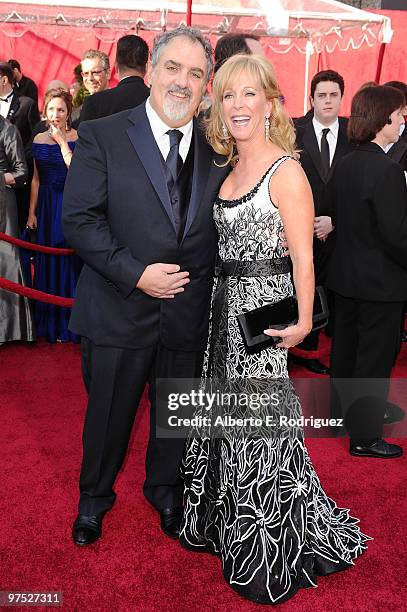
[[44, 59]]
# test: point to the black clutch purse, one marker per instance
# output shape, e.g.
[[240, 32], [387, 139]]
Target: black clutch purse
[[278, 316], [29, 235]]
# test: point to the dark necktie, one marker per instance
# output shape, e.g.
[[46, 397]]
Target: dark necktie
[[174, 159], [325, 157]]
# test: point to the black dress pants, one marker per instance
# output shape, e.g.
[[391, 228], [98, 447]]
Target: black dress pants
[[115, 379], [364, 345]]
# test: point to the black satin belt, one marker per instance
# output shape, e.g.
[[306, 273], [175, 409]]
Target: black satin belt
[[220, 306], [261, 267]]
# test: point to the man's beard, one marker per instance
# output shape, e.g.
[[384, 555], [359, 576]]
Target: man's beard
[[176, 110]]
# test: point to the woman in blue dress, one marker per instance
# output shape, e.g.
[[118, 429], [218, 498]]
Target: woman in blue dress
[[54, 274]]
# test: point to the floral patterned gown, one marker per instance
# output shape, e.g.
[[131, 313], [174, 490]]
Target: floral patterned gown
[[256, 501]]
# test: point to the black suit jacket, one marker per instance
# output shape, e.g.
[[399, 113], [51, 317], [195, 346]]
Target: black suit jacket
[[310, 158], [130, 92], [369, 193], [23, 113], [27, 87], [398, 151], [117, 215]]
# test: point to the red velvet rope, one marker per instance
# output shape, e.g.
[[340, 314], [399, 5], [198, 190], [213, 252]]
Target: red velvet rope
[[34, 294], [35, 247]]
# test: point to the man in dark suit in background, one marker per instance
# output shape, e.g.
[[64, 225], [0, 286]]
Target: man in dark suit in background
[[23, 113], [231, 44], [24, 85], [131, 65], [137, 209], [19, 110], [322, 140], [95, 72]]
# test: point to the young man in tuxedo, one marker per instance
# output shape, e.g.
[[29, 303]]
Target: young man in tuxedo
[[138, 210], [131, 65], [322, 140], [23, 113]]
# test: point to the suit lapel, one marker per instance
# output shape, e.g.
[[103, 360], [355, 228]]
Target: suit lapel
[[143, 141], [342, 147], [311, 145], [202, 166]]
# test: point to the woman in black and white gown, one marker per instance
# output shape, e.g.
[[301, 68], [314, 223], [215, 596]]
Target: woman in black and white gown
[[255, 500]]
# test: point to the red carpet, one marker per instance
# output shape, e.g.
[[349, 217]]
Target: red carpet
[[134, 566]]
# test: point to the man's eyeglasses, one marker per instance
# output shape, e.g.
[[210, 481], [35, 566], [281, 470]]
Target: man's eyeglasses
[[92, 73]]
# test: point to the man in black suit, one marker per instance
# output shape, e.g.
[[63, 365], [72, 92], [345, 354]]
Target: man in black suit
[[19, 110], [23, 113], [24, 85], [232, 44], [131, 64], [322, 140], [138, 211], [95, 72]]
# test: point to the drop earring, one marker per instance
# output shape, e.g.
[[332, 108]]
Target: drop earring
[[267, 128], [225, 132]]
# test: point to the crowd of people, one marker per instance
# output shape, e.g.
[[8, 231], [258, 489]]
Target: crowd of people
[[163, 178]]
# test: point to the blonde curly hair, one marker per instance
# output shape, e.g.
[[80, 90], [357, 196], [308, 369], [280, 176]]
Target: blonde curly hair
[[282, 131]]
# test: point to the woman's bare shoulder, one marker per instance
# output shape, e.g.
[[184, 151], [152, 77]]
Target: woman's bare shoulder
[[41, 138]]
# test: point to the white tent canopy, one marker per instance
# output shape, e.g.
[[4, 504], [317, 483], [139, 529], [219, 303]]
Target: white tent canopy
[[325, 24], [307, 26]]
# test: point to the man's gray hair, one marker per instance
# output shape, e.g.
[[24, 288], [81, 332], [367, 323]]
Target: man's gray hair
[[195, 35], [92, 53]]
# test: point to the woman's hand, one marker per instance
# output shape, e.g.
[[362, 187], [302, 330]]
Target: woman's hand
[[32, 222], [290, 336], [57, 134]]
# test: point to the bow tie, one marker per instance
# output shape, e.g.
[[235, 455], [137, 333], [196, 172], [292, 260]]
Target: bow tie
[[7, 98]]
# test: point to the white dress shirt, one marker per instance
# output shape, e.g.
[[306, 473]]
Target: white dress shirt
[[5, 105], [159, 129], [332, 136]]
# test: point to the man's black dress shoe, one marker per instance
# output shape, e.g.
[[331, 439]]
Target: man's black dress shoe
[[377, 448], [313, 365], [87, 529], [393, 414], [171, 521]]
